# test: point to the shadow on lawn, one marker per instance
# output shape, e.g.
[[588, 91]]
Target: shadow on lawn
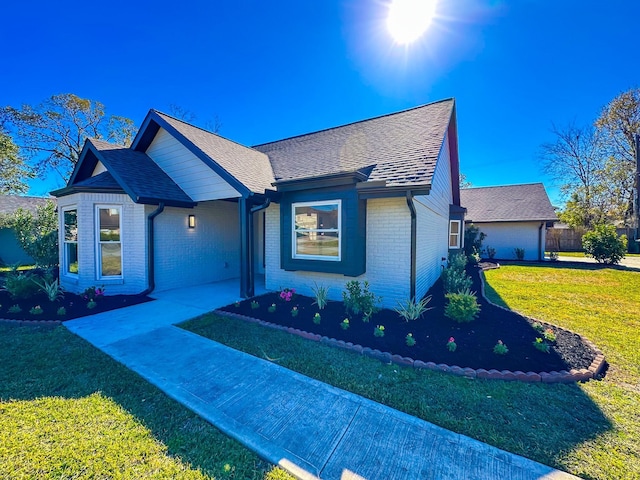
[[40, 362]]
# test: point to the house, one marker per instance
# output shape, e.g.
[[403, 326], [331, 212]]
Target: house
[[511, 216], [374, 200], [11, 253]]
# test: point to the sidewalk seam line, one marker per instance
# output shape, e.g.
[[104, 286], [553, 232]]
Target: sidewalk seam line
[[339, 441]]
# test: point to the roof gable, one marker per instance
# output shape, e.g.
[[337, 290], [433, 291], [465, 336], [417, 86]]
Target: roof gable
[[508, 203], [245, 169], [128, 170]]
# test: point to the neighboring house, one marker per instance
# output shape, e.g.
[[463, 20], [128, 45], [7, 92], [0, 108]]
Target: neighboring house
[[371, 200], [11, 252], [511, 216]]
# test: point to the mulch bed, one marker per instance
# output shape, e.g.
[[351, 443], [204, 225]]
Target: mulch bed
[[75, 305], [475, 340]]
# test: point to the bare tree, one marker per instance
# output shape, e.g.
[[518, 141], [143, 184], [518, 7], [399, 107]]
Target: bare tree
[[52, 134]]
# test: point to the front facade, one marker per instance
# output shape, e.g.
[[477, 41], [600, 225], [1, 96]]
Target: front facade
[[366, 201], [512, 217]]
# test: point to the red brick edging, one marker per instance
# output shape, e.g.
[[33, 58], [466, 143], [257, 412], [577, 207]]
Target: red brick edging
[[562, 376]]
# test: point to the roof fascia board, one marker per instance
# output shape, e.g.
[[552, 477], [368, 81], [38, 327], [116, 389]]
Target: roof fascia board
[[62, 192], [323, 181], [390, 192], [211, 163], [80, 164]]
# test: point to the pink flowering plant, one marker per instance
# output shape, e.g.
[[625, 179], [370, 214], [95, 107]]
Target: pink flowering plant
[[92, 293], [451, 344], [287, 294]]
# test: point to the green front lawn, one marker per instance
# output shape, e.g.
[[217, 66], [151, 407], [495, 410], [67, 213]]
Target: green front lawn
[[589, 429], [69, 411], [582, 255]]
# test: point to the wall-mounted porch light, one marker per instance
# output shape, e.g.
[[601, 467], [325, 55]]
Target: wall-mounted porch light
[[192, 221]]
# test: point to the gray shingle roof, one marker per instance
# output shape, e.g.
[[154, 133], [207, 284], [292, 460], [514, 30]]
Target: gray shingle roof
[[102, 180], [250, 167], [509, 203], [142, 177], [10, 203], [402, 146]]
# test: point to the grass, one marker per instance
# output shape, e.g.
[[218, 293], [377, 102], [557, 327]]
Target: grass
[[590, 429], [69, 411], [582, 255]]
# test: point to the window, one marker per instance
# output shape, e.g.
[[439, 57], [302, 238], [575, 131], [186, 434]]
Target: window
[[454, 233], [316, 230], [109, 245], [70, 242]]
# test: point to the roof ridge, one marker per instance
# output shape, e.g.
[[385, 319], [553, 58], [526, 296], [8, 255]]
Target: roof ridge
[[505, 186], [356, 122], [204, 130]]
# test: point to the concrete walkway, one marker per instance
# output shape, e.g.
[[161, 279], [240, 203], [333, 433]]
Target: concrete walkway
[[309, 428]]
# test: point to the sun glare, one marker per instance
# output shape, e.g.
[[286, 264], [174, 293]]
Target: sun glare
[[409, 19]]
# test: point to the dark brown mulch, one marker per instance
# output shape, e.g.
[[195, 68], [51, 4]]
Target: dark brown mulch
[[75, 305], [475, 340]]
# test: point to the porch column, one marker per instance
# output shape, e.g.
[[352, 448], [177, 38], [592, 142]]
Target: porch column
[[246, 250]]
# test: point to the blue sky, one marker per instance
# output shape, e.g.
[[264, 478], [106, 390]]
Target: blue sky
[[270, 70]]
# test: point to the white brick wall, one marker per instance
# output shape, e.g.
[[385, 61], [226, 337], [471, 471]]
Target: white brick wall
[[388, 255], [506, 237], [207, 253], [433, 225], [133, 235]]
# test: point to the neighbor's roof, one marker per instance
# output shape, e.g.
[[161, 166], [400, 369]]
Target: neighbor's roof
[[11, 203], [403, 147], [250, 167], [509, 203]]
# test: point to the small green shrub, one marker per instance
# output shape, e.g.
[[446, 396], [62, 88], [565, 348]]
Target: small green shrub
[[549, 335], [412, 310], [473, 239], [519, 253], [51, 288], [457, 261], [454, 281], [378, 331], [603, 244], [93, 292], [254, 305], [14, 309], [294, 312], [21, 285], [61, 312], [344, 324], [91, 304], [491, 252], [462, 306], [272, 308], [541, 345], [537, 326], [359, 300], [37, 310], [451, 344], [317, 319], [321, 293], [409, 340], [500, 348]]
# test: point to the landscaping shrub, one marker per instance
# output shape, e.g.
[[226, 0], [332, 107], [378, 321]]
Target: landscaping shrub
[[462, 306], [519, 253], [473, 239], [454, 277], [359, 300], [21, 285], [603, 244], [412, 310]]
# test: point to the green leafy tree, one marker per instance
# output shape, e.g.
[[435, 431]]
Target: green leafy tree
[[38, 234], [52, 133], [13, 170], [618, 124], [603, 244]]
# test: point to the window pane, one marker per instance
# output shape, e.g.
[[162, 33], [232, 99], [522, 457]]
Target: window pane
[[455, 227], [323, 244], [71, 257], [71, 225], [317, 217], [111, 259], [453, 241], [109, 225]]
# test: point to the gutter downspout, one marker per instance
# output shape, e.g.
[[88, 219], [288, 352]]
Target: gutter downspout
[[540, 252], [151, 249], [412, 280], [250, 263]]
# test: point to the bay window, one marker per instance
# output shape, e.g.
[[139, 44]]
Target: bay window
[[108, 241], [70, 242]]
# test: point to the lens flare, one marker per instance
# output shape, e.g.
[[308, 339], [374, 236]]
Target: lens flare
[[409, 19]]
